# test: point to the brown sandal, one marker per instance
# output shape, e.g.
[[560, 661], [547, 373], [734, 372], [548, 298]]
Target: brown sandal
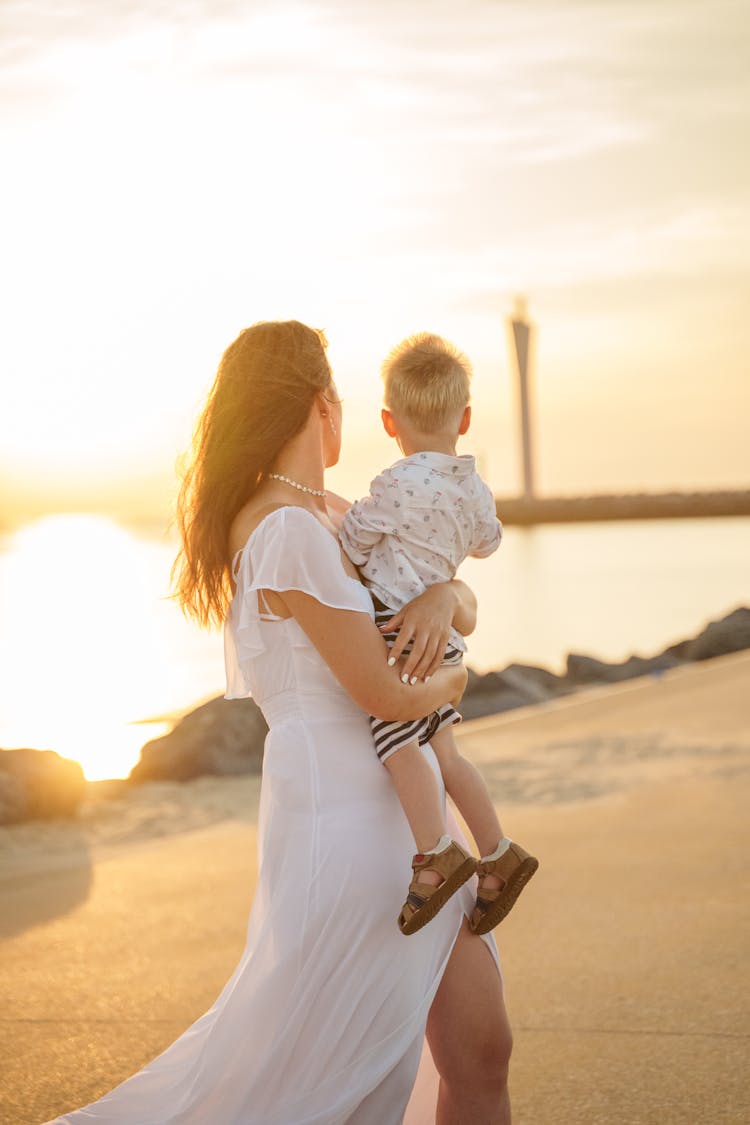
[[514, 868], [424, 900]]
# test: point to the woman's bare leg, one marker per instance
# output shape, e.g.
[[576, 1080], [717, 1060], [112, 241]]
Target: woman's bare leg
[[470, 1037]]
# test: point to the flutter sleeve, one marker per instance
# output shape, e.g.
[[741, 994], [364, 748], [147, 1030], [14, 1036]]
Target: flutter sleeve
[[289, 550], [369, 519]]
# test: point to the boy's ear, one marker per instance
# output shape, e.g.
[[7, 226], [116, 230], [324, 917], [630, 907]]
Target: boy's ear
[[389, 423], [465, 421]]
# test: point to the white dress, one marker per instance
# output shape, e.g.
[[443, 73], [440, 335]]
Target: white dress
[[323, 1020]]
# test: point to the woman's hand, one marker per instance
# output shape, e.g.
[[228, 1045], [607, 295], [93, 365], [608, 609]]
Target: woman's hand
[[426, 623], [376, 688]]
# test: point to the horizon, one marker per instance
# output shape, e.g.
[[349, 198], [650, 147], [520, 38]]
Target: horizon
[[158, 520]]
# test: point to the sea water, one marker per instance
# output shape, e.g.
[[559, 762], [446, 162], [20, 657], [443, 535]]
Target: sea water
[[92, 646]]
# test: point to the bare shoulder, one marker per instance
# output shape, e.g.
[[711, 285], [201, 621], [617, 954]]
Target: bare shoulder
[[336, 504], [248, 518]]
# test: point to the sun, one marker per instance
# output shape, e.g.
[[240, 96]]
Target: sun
[[87, 658]]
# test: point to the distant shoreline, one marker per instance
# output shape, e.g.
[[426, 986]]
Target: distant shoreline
[[512, 510], [524, 512]]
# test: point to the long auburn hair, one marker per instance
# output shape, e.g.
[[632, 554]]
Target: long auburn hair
[[260, 399]]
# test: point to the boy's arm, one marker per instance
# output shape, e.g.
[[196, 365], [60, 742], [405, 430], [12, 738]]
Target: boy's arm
[[465, 616], [369, 519], [488, 530]]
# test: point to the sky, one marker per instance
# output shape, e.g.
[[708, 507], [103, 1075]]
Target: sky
[[176, 171]]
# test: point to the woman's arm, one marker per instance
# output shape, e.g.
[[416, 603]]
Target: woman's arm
[[351, 647]]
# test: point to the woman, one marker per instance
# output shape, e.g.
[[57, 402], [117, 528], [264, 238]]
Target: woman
[[324, 1018]]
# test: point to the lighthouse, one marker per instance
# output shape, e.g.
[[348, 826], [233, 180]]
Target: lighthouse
[[520, 334]]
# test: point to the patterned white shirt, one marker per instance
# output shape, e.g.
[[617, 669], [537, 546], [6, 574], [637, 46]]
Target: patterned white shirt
[[423, 517]]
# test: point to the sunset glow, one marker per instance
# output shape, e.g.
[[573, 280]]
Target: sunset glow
[[90, 653], [172, 178]]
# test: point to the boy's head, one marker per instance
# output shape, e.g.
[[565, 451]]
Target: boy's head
[[426, 383]]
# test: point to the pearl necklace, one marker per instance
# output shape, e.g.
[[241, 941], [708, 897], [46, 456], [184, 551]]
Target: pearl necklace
[[296, 484]]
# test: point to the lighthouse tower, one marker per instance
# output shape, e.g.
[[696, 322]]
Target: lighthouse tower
[[520, 336]]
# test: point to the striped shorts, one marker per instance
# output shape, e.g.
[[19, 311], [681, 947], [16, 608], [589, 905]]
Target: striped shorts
[[392, 736]]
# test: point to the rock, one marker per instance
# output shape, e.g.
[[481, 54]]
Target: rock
[[647, 665], [486, 684], [473, 683], [12, 797], [490, 703], [581, 669], [518, 685], [588, 670], [730, 634], [222, 737], [38, 785], [538, 684]]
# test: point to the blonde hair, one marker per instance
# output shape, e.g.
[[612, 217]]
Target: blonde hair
[[426, 380], [261, 397]]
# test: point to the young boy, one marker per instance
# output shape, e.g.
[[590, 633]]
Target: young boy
[[424, 515]]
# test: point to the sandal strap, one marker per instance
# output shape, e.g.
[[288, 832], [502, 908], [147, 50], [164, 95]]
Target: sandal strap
[[445, 862], [420, 893], [509, 860], [423, 890]]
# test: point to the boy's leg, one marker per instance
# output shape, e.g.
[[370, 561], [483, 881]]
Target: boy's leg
[[441, 865], [419, 794], [505, 867], [413, 778], [467, 788]]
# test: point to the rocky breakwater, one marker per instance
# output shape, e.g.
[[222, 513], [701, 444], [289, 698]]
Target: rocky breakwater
[[223, 736], [226, 736], [520, 685], [38, 785]]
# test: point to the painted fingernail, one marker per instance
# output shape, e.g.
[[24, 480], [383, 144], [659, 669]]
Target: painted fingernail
[[391, 661], [427, 679], [404, 679]]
